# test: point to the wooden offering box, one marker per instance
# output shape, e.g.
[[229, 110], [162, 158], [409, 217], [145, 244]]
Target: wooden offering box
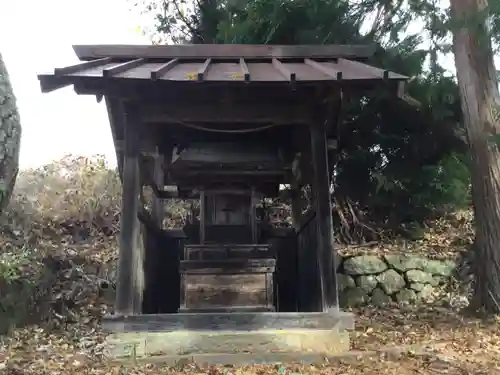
[[227, 285]]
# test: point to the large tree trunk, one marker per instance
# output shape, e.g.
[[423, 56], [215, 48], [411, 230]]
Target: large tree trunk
[[10, 137], [481, 110]]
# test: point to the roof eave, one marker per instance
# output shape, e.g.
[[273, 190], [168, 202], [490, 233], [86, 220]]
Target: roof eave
[[202, 51], [51, 82]]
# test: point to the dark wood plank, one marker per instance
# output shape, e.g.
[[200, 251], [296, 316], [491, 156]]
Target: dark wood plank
[[216, 251], [227, 264], [229, 321], [225, 270], [246, 155], [225, 290], [270, 113], [233, 309], [323, 208], [82, 66], [230, 51]]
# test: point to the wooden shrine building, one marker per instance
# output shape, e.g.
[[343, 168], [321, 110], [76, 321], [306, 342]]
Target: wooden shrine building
[[225, 126]]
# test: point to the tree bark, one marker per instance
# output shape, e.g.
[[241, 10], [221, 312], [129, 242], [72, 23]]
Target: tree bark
[[481, 110], [10, 137]]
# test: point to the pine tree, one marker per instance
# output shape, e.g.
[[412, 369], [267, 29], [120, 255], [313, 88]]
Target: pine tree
[[10, 137]]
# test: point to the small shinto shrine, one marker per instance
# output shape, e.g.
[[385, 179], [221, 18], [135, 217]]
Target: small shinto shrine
[[223, 127]]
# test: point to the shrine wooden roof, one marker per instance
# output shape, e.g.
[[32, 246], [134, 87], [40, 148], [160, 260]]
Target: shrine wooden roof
[[223, 63]]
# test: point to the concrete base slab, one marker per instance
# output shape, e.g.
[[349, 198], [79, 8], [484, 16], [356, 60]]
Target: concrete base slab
[[179, 343], [283, 338]]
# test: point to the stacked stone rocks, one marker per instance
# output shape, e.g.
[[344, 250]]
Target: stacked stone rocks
[[382, 279]]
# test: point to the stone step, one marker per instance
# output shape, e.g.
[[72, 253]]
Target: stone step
[[214, 345]]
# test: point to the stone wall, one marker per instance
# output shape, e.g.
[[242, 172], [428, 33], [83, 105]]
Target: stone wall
[[382, 279]]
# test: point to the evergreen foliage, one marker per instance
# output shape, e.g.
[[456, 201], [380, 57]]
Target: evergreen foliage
[[397, 163]]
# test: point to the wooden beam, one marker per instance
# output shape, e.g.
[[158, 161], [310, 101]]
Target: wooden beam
[[158, 208], [163, 69], [49, 83], [120, 68], [116, 117], [222, 172], [130, 283], [244, 70], [203, 208], [287, 73], [403, 95], [322, 203], [231, 266], [296, 195], [337, 74], [145, 147], [253, 216], [203, 70], [82, 66], [229, 322], [354, 66], [229, 51], [226, 113]]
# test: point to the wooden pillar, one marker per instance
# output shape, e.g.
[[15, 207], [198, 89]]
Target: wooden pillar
[[253, 216], [157, 209], [130, 282], [203, 215], [296, 196], [322, 204]]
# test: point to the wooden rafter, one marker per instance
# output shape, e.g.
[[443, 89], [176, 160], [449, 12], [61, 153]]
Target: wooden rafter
[[123, 67]]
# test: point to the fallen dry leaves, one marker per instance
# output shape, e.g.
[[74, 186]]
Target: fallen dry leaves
[[66, 338], [443, 238], [404, 340]]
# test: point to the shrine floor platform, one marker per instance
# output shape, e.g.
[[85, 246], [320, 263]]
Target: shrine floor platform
[[228, 338]]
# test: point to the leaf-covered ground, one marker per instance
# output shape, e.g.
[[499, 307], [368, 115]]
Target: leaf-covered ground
[[67, 267], [443, 343]]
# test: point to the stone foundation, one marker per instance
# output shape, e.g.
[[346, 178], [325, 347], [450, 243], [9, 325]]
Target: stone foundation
[[381, 279], [230, 338]]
